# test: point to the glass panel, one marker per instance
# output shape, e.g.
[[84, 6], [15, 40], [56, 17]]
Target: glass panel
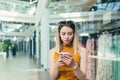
[[24, 7]]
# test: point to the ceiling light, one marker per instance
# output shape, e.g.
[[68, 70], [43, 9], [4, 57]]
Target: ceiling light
[[14, 39], [84, 34]]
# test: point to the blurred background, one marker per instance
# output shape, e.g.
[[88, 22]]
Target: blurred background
[[28, 28]]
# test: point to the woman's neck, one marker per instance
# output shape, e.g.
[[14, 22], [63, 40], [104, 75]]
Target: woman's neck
[[67, 45]]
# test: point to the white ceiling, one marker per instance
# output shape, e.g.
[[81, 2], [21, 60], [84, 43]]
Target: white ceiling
[[64, 6], [17, 6]]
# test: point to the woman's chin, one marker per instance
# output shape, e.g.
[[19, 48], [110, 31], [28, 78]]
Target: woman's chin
[[66, 43]]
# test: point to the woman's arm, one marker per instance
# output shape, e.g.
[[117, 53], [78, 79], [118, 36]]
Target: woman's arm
[[80, 71], [54, 66], [53, 70]]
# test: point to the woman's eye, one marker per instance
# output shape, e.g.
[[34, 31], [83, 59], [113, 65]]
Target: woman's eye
[[69, 33], [63, 33]]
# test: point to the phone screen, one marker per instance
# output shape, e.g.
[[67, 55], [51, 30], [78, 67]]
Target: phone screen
[[65, 53]]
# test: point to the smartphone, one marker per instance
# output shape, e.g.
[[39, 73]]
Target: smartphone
[[65, 53]]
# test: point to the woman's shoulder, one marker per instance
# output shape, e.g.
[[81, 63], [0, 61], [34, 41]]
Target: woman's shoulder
[[52, 51], [83, 49]]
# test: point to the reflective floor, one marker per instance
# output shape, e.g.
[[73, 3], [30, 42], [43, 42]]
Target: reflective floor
[[21, 67]]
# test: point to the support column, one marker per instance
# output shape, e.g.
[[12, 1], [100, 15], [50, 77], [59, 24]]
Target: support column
[[37, 43], [32, 47], [45, 39], [24, 47]]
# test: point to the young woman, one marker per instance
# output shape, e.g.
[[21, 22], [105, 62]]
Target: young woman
[[68, 60]]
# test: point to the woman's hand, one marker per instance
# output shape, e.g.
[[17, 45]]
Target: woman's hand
[[59, 62], [68, 60]]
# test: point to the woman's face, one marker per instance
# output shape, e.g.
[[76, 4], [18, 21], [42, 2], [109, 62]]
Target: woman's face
[[66, 35]]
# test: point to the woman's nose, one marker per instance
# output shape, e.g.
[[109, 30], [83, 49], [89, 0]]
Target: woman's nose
[[66, 36]]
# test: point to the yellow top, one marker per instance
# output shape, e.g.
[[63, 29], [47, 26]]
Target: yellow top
[[66, 72]]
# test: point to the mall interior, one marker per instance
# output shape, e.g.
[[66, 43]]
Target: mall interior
[[28, 29]]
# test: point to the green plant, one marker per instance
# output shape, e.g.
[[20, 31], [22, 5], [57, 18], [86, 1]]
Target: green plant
[[5, 45]]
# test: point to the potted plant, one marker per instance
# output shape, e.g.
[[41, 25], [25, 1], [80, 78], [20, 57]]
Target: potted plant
[[5, 46]]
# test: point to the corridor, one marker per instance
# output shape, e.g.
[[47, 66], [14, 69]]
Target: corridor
[[21, 67]]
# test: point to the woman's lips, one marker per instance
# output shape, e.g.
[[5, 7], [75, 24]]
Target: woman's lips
[[66, 40]]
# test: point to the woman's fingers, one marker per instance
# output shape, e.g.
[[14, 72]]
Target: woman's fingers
[[60, 62], [67, 60]]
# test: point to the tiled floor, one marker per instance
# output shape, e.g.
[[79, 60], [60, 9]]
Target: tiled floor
[[21, 68]]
